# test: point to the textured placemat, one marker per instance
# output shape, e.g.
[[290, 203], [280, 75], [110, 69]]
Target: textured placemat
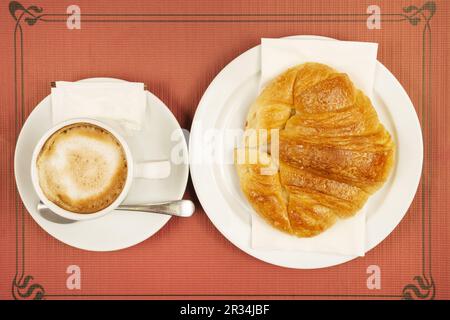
[[177, 48]]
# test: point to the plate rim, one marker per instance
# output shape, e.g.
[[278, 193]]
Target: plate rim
[[338, 259], [183, 180]]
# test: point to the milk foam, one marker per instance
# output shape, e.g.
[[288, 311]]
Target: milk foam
[[107, 154]]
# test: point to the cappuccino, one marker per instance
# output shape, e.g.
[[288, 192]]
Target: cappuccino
[[82, 168]]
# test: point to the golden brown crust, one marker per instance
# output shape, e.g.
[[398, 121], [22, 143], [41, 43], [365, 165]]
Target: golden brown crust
[[264, 191], [333, 150]]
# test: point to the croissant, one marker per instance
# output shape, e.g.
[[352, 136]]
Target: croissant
[[333, 152]]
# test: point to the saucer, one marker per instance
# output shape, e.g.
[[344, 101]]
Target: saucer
[[118, 229]]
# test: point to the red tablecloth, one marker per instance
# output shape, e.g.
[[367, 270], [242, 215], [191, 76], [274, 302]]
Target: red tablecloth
[[177, 48]]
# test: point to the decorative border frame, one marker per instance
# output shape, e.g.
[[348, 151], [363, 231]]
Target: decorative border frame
[[422, 286]]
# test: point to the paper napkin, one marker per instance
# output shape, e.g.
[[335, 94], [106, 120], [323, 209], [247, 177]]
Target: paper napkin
[[358, 60], [120, 103]]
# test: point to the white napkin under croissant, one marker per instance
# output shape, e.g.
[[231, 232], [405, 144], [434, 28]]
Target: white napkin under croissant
[[358, 60]]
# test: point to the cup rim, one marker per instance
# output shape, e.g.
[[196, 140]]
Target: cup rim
[[70, 214]]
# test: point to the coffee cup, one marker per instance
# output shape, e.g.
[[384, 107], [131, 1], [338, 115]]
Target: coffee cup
[[83, 169]]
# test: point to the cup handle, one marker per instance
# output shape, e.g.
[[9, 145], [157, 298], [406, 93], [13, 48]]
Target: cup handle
[[152, 169]]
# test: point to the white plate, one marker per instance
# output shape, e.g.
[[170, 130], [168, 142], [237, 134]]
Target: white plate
[[119, 229], [224, 106]]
